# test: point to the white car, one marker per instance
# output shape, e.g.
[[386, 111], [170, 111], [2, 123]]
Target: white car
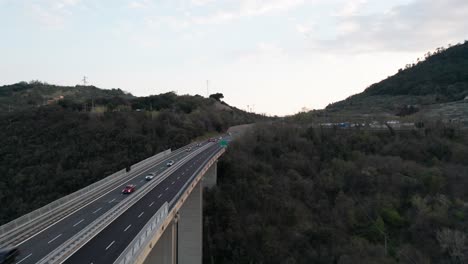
[[170, 163], [150, 176]]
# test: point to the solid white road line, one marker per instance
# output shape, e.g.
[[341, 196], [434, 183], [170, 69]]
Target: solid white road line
[[151, 204], [110, 245], [54, 239], [78, 222], [141, 214], [97, 210], [23, 259], [127, 227]]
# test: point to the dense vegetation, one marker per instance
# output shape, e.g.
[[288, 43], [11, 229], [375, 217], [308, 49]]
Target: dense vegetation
[[441, 77], [53, 150], [291, 194], [25, 95]]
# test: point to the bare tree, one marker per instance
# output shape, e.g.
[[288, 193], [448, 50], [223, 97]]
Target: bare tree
[[453, 242]]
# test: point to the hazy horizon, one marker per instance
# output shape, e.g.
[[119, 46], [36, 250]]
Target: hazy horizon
[[275, 56]]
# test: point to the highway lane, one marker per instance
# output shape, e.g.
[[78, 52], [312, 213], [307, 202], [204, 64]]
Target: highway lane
[[106, 246], [38, 246]]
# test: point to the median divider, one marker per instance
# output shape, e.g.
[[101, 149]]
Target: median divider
[[27, 225], [69, 247]]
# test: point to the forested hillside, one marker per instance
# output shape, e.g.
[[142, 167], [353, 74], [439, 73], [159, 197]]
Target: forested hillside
[[291, 194], [23, 95], [439, 78], [50, 151]]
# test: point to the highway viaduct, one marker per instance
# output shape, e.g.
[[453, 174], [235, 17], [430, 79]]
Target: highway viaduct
[[161, 222]]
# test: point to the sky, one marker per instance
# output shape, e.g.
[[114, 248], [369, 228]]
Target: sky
[[276, 57]]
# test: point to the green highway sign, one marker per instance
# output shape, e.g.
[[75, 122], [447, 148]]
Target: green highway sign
[[223, 143]]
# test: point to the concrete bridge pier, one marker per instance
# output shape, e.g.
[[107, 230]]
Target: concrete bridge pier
[[165, 250], [190, 225], [211, 177]]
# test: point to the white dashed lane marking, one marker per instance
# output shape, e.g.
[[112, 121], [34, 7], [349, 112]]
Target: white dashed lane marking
[[53, 239], [78, 222], [23, 259], [110, 245]]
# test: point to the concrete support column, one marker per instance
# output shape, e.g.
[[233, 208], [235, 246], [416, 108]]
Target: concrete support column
[[211, 177], [190, 228], [165, 251]]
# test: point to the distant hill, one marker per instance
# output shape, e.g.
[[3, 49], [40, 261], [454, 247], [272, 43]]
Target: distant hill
[[441, 78], [26, 95]]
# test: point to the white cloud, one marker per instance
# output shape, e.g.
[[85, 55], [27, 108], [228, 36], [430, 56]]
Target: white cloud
[[61, 4], [420, 25], [260, 7], [140, 4], [201, 2], [241, 9], [351, 8], [166, 21], [51, 13]]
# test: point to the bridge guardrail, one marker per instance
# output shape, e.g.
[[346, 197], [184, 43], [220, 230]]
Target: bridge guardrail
[[147, 232], [201, 171], [65, 250], [67, 200]]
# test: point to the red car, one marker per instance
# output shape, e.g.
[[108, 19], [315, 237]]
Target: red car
[[128, 189]]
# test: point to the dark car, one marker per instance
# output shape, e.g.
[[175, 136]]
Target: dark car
[[8, 255], [128, 189]]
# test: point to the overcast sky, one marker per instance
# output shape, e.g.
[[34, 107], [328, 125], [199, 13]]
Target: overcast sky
[[275, 55]]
